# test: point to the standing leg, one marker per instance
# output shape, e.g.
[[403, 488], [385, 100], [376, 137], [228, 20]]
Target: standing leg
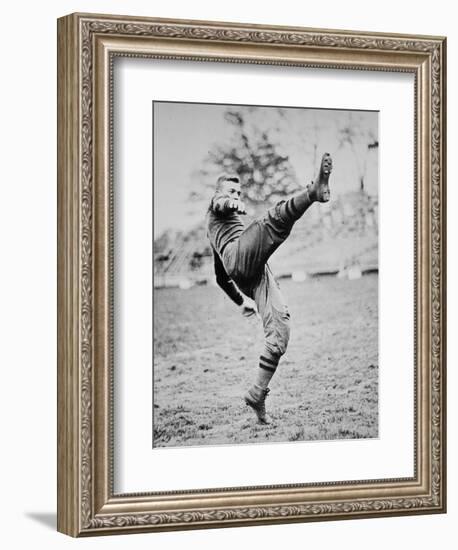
[[275, 318]]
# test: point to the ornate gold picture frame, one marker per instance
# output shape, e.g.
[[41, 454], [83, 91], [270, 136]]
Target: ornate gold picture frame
[[87, 46]]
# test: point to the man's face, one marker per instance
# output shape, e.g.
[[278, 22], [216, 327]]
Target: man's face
[[232, 189]]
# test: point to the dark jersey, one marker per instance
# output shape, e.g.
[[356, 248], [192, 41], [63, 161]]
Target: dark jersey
[[223, 226], [225, 282]]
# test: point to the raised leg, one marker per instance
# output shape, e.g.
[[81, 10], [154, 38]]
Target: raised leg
[[246, 257]]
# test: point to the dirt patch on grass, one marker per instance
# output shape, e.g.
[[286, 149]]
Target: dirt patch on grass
[[206, 355]]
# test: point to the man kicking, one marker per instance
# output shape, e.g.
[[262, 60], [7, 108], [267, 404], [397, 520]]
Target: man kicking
[[241, 268]]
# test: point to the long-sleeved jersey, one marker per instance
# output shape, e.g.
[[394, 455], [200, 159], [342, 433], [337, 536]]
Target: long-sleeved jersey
[[225, 282], [223, 226]]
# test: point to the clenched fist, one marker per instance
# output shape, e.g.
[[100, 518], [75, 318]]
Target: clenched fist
[[249, 308], [236, 205]]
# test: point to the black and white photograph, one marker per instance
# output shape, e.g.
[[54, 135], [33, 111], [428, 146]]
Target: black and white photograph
[[226, 318], [265, 268]]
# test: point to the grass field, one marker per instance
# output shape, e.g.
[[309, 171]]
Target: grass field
[[206, 355]]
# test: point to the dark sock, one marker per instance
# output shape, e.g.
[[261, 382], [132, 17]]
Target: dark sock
[[267, 368], [295, 207]]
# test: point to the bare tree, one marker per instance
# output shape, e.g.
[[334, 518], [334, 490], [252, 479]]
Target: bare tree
[[255, 153], [359, 140]]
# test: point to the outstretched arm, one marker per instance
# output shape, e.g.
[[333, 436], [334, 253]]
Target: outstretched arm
[[225, 282], [222, 204]]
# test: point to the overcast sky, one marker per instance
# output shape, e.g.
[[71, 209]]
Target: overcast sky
[[185, 132]]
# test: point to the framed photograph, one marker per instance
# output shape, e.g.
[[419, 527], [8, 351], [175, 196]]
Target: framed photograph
[[251, 276]]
